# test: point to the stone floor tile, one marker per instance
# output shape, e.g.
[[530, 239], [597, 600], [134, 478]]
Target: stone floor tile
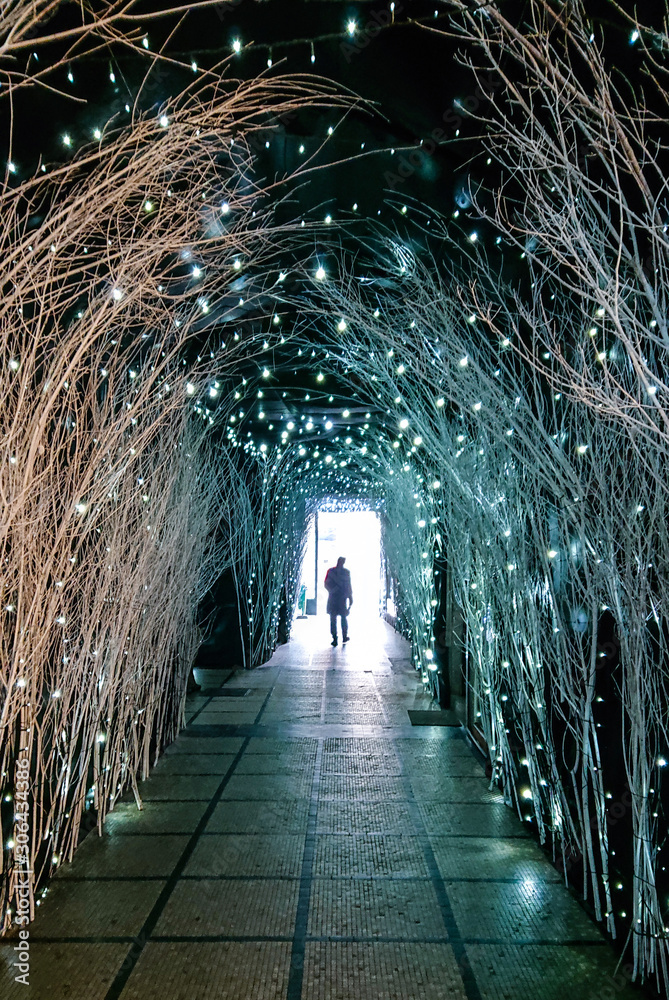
[[128, 856], [62, 971], [489, 819], [358, 746], [362, 787], [374, 908], [289, 816], [362, 971], [205, 744], [210, 971], [532, 910], [341, 856], [95, 909], [550, 972], [194, 763], [155, 817], [428, 785], [264, 763], [230, 909], [492, 858], [335, 816], [297, 746], [295, 785], [377, 764], [175, 788], [228, 854], [226, 718]]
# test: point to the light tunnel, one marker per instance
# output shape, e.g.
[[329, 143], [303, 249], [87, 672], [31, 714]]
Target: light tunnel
[[256, 319]]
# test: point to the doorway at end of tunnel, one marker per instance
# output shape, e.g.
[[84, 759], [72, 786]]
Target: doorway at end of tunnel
[[356, 535]]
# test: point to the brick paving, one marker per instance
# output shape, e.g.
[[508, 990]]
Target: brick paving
[[303, 841]]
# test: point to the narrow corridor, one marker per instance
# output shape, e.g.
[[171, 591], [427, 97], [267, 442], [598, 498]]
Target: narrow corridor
[[301, 840]]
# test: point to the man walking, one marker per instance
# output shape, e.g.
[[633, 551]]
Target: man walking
[[340, 598]]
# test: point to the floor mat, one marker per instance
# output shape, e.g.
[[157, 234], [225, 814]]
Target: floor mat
[[432, 718]]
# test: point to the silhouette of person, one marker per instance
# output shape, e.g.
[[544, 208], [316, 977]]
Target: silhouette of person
[[340, 598]]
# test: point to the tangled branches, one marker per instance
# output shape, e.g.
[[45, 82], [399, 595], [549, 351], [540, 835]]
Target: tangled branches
[[122, 273], [553, 526]]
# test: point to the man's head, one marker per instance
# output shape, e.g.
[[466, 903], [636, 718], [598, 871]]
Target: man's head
[[340, 562]]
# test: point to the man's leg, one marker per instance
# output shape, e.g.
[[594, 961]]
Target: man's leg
[[333, 629], [344, 627]]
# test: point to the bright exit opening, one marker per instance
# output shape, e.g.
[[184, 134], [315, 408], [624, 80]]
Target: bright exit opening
[[356, 535]]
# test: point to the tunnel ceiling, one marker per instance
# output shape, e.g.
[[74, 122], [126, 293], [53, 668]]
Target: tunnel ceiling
[[401, 165]]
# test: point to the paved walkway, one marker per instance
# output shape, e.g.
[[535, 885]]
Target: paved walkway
[[302, 840]]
